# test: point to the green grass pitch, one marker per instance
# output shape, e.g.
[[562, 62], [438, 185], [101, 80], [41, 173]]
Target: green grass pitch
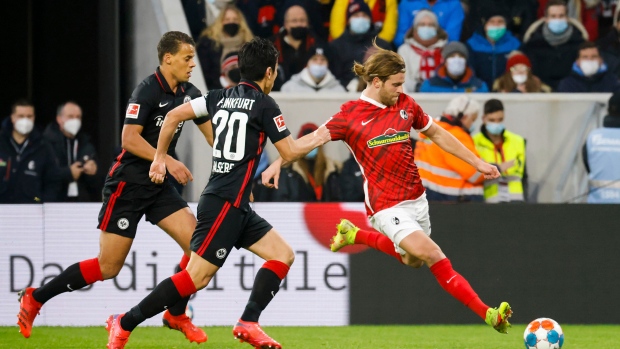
[[375, 337]]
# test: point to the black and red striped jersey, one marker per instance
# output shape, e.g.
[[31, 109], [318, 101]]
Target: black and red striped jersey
[[243, 117], [378, 137], [147, 107]]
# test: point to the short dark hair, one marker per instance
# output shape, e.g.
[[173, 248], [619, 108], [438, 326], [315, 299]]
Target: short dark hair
[[555, 3], [255, 57], [492, 106], [62, 106], [22, 102], [171, 42], [587, 45]]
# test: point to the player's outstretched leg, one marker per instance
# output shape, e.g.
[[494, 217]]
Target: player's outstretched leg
[[498, 317], [28, 310], [349, 234], [175, 318]]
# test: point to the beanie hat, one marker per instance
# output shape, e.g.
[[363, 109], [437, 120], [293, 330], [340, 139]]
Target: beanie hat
[[493, 10], [425, 13], [453, 47], [356, 6], [517, 58], [306, 129], [230, 60]]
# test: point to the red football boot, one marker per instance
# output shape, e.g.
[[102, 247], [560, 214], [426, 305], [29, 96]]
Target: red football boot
[[184, 324], [117, 337], [251, 333], [28, 311]]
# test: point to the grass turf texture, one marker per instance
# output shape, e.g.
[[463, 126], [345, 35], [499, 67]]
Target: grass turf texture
[[375, 337]]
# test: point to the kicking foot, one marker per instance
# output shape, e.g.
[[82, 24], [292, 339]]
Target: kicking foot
[[498, 317], [28, 310], [251, 333], [117, 337], [345, 235], [184, 324]]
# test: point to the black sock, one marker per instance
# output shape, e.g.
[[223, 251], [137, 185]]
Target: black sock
[[70, 279], [162, 297], [180, 306], [266, 285]]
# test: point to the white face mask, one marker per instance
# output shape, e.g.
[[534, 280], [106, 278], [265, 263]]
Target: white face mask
[[317, 70], [456, 65], [24, 126], [589, 67], [72, 126], [519, 78]]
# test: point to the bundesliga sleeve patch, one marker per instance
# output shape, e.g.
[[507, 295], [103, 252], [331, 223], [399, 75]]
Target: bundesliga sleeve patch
[[132, 111], [279, 120]]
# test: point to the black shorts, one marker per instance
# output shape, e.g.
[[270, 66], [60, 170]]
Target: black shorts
[[222, 226], [124, 204]]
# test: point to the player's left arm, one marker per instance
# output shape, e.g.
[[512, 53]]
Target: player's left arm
[[446, 141]]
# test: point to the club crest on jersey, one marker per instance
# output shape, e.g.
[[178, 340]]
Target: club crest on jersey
[[390, 136], [279, 120], [403, 114], [187, 99], [132, 111]]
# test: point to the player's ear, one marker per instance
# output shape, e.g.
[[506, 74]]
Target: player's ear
[[268, 73], [167, 58], [376, 82]]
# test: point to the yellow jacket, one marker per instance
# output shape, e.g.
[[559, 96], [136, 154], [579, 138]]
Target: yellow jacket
[[383, 11], [509, 187]]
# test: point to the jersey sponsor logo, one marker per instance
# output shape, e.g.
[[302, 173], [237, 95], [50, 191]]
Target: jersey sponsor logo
[[221, 253], [390, 136], [123, 223], [132, 111], [161, 105], [404, 115], [279, 120]]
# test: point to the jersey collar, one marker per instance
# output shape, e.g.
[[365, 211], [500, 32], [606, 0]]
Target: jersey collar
[[363, 97], [251, 84], [164, 84]]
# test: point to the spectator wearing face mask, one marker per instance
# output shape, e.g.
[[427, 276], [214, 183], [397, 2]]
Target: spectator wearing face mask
[[315, 77], [313, 178], [506, 150], [519, 77], [227, 34], [75, 155], [384, 18], [449, 13], [296, 44], [589, 73], [490, 45], [422, 49], [552, 43], [28, 170], [352, 44], [454, 75], [446, 177], [230, 70]]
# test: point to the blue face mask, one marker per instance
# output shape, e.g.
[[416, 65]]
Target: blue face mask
[[496, 33], [312, 154], [317, 70], [494, 128], [557, 26], [472, 129], [426, 33], [359, 25]]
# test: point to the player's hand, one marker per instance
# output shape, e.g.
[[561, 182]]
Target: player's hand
[[178, 170], [90, 167], [322, 133], [489, 171], [273, 171], [157, 173]]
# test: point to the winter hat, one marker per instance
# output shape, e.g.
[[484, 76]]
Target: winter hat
[[493, 10], [453, 47], [356, 6], [306, 129], [230, 60], [425, 13], [317, 50], [517, 58]]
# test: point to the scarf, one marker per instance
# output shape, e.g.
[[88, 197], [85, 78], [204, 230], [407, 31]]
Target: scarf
[[429, 61], [230, 44], [557, 39]]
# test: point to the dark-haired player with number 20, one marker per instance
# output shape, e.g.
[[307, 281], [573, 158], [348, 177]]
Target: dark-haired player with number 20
[[243, 117]]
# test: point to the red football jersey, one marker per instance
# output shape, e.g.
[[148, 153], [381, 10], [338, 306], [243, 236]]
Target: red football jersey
[[378, 137]]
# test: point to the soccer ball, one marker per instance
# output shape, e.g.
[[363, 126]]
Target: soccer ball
[[189, 311], [543, 333]]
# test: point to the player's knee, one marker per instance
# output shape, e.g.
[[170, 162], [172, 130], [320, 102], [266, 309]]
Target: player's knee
[[433, 256], [109, 270]]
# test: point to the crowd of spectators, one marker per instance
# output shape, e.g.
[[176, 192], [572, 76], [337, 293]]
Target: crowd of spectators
[[514, 46]]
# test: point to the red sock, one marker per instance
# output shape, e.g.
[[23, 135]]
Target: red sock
[[183, 283], [377, 241], [91, 271], [279, 268], [183, 262], [458, 287]]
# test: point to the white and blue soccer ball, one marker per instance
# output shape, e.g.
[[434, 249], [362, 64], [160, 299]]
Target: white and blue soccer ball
[[189, 311], [543, 333]]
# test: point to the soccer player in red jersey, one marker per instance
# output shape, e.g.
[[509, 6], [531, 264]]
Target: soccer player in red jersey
[[376, 129]]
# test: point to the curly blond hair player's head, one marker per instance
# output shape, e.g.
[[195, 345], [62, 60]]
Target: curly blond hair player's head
[[381, 64]]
